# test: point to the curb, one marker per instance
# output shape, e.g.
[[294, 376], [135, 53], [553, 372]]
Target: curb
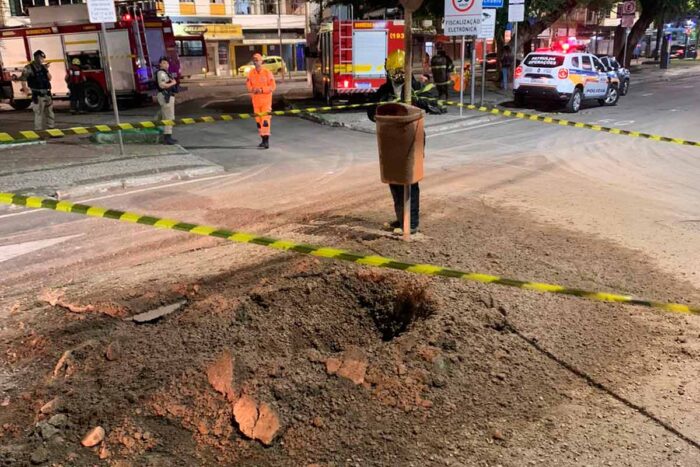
[[20, 145], [137, 181]]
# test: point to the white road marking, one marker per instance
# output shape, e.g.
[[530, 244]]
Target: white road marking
[[7, 252], [140, 190], [647, 94], [469, 128]]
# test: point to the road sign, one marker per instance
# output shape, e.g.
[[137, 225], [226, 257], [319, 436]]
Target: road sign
[[492, 4], [516, 10], [629, 7], [102, 11], [462, 17], [488, 24]]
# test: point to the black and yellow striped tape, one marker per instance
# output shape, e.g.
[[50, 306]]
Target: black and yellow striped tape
[[31, 135], [332, 253], [563, 122]]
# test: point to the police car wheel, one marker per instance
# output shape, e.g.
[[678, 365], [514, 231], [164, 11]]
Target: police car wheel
[[519, 100], [611, 97], [574, 104], [625, 87]]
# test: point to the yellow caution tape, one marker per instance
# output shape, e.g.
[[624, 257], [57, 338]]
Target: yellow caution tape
[[564, 122], [31, 135], [333, 253]]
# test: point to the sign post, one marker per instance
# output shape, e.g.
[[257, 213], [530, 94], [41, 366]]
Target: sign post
[[463, 18], [516, 13], [487, 31], [102, 11], [629, 9]]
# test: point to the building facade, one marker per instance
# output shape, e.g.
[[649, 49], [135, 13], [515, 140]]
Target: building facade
[[222, 35]]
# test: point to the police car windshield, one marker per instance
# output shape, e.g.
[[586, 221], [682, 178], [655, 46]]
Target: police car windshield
[[544, 60]]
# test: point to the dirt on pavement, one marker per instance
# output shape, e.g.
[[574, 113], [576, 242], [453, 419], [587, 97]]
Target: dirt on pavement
[[281, 359]]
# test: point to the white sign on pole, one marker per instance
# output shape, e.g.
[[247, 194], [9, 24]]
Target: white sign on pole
[[462, 17], [102, 11], [516, 11], [488, 24]]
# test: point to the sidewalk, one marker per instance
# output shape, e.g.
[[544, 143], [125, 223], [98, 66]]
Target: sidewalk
[[357, 119], [645, 73], [68, 169]]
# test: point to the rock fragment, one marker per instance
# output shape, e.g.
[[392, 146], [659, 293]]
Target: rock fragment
[[93, 437]]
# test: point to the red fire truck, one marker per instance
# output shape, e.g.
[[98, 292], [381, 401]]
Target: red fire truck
[[136, 42], [350, 56]]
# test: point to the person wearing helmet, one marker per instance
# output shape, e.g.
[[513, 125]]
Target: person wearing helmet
[[38, 77], [167, 87], [261, 84], [423, 97], [76, 86]]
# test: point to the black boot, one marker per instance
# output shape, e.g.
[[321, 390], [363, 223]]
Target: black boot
[[168, 139], [266, 142], [262, 142]]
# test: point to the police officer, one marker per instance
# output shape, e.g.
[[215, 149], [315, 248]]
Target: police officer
[[38, 77], [166, 98], [76, 85]]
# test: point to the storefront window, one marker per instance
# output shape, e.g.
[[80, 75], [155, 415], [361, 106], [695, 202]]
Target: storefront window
[[190, 48]]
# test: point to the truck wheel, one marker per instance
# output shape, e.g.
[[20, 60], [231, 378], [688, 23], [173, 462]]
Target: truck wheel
[[20, 104], [574, 104], [95, 99]]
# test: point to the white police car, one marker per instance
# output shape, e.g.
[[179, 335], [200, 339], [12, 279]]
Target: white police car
[[570, 78]]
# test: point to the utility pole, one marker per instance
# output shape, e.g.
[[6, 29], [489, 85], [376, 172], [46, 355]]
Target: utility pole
[[409, 6]]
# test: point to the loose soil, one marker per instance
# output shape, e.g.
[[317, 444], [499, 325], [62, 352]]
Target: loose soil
[[357, 366]]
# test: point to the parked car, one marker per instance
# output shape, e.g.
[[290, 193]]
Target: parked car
[[678, 51], [272, 62], [622, 73], [570, 78], [491, 61]]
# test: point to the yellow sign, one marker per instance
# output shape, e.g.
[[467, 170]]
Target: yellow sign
[[210, 31], [35, 32]]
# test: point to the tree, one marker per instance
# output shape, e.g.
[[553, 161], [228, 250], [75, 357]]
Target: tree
[[651, 10]]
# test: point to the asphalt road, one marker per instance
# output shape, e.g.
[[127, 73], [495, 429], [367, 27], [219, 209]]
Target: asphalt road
[[619, 187]]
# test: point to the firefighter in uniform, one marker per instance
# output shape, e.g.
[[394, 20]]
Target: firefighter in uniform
[[167, 87], [38, 77], [261, 85], [76, 85], [441, 66]]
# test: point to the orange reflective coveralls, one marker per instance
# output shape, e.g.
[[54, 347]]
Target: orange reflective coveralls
[[262, 102]]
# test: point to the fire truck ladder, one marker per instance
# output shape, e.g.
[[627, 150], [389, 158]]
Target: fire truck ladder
[[345, 32]]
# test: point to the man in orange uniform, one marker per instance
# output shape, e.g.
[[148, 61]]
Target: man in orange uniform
[[261, 84]]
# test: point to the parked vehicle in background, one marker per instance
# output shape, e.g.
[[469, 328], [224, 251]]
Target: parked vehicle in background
[[348, 60], [570, 78], [271, 62], [136, 43], [678, 51], [622, 73], [491, 61]]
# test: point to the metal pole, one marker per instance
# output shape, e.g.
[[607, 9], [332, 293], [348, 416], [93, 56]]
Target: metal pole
[[472, 74], [483, 74], [279, 35], [624, 56], [108, 62], [406, 212], [515, 52], [408, 48], [461, 82]]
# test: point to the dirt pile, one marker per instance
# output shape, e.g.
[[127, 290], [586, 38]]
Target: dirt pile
[[295, 361]]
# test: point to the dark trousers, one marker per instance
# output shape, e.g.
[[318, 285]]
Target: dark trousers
[[397, 194], [442, 91], [77, 97]]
